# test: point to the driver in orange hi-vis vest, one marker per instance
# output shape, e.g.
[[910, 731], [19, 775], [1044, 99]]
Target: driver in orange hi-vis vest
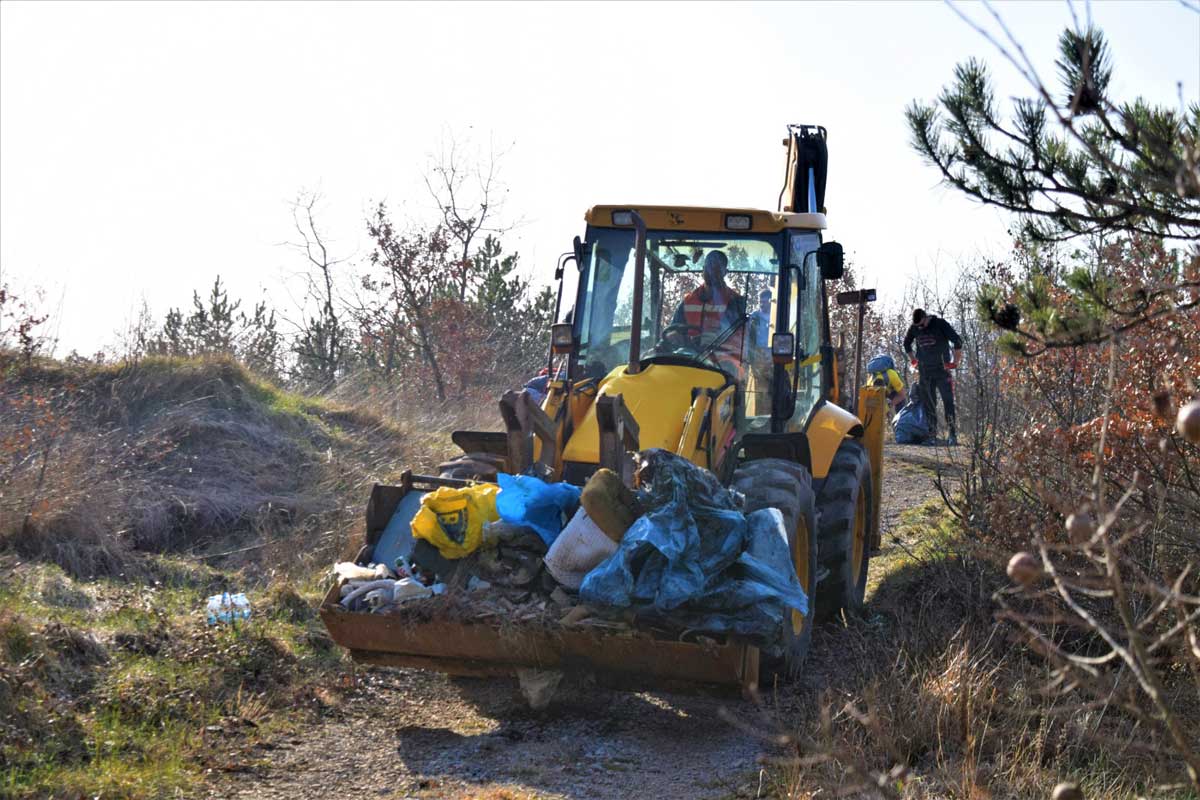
[[712, 308]]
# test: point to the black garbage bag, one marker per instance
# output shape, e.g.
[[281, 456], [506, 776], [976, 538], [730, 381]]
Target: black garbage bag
[[911, 426]]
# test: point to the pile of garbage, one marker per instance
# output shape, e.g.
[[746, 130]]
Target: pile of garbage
[[675, 554], [911, 426]]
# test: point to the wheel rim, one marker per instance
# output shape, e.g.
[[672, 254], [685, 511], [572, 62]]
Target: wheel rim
[[860, 534], [800, 551]]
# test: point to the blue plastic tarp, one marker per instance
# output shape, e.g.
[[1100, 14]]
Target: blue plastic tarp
[[395, 543], [695, 561], [529, 501]]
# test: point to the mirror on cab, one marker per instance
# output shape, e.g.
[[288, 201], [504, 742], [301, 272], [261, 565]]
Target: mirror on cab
[[831, 260]]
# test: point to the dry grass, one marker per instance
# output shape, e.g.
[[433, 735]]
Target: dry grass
[[930, 697], [128, 493], [132, 695], [185, 456]]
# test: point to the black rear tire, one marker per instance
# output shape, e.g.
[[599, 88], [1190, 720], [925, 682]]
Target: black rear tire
[[845, 516], [787, 486]]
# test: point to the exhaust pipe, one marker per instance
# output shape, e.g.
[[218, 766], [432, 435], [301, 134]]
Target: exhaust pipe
[[807, 170]]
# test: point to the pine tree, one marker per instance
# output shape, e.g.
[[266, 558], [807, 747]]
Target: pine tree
[[1076, 165]]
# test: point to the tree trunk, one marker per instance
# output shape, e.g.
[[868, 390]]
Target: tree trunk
[[431, 359]]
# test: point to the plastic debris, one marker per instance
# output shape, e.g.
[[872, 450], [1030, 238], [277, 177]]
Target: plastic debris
[[529, 501], [395, 544], [881, 363], [696, 562], [408, 588], [358, 589], [577, 550], [378, 597], [349, 571], [227, 608], [452, 519], [381, 595], [538, 686], [910, 425]]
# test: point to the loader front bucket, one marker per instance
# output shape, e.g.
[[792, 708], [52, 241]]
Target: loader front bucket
[[619, 657]]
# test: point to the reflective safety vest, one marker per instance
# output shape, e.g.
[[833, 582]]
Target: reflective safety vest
[[713, 314]]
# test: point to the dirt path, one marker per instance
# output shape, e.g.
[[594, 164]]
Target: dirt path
[[404, 733]]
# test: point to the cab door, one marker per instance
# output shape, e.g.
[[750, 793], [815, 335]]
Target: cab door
[[805, 312]]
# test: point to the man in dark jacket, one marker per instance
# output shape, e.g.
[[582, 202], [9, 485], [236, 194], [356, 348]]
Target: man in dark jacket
[[933, 337]]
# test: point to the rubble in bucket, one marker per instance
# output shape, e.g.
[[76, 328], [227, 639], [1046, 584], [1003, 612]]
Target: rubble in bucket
[[676, 555]]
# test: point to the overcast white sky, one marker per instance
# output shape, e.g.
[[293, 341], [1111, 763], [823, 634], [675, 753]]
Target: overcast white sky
[[147, 147]]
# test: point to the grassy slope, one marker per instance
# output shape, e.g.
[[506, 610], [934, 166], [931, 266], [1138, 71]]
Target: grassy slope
[[110, 681], [120, 690]]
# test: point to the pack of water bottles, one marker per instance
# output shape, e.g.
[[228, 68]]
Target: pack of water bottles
[[226, 608]]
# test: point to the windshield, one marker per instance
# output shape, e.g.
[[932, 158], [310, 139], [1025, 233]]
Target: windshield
[[707, 298]]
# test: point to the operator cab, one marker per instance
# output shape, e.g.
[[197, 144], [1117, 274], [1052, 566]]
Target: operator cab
[[717, 286]]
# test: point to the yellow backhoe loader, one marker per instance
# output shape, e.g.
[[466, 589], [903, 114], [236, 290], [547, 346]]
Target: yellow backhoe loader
[[652, 352]]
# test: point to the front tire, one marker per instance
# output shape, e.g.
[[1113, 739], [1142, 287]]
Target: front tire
[[845, 521], [787, 486]]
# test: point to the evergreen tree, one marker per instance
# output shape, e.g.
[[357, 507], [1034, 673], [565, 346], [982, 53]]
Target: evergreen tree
[[210, 327], [218, 326], [1078, 164]]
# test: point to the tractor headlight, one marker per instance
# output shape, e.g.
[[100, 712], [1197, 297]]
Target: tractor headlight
[[737, 222], [562, 338], [622, 217]]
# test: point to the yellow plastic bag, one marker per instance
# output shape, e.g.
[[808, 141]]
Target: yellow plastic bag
[[451, 519]]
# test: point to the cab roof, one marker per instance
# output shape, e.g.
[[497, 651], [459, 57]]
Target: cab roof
[[697, 218]]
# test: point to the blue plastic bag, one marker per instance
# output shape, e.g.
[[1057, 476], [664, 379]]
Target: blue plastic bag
[[538, 388], [697, 562], [910, 425], [881, 363], [529, 501]]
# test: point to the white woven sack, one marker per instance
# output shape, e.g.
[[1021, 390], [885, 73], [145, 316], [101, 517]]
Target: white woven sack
[[577, 550]]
